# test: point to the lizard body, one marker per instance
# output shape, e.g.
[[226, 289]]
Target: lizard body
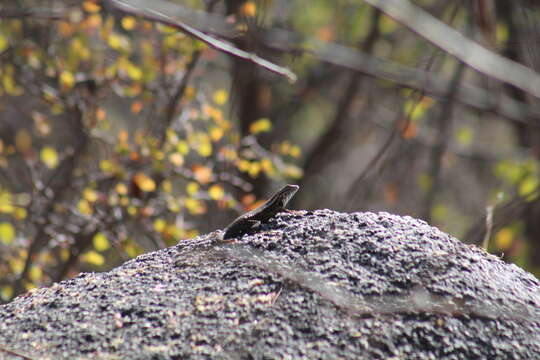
[[263, 213]]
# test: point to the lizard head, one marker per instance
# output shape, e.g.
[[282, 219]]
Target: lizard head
[[286, 193]]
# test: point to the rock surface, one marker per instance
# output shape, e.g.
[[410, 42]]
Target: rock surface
[[307, 285]]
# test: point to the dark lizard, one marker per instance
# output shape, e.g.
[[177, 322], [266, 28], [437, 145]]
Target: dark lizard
[[263, 213]]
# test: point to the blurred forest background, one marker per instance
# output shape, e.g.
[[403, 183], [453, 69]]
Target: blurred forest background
[[129, 125]]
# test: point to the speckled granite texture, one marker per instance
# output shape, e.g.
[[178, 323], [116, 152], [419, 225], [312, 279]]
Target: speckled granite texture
[[307, 285]]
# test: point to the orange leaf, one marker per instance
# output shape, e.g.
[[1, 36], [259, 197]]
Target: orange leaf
[[202, 174]]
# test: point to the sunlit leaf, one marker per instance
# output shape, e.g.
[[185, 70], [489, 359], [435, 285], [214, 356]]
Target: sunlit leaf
[[90, 195], [205, 149], [16, 265], [216, 133], [84, 207], [6, 292], [144, 182], [192, 188], [134, 72], [94, 258], [221, 97], [194, 206], [261, 125], [166, 185], [132, 249], [248, 9], [216, 192], [136, 107], [128, 22], [504, 239], [182, 147], [100, 241], [293, 171], [202, 174], [7, 233], [268, 167], [91, 6], [528, 185], [176, 159], [295, 151], [254, 169], [159, 225], [66, 79], [35, 273], [20, 213], [49, 157]]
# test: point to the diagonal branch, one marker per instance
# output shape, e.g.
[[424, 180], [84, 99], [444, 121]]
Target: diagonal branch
[[226, 47], [456, 44]]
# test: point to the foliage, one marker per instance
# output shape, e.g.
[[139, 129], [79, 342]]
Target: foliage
[[114, 145]]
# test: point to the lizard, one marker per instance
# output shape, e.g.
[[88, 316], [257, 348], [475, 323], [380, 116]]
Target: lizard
[[263, 213]]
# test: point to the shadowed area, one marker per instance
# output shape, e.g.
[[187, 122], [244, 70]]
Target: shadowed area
[[319, 284]]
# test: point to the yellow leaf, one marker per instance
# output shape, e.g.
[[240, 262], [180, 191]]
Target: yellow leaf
[[7, 233], [6, 292], [295, 151], [293, 171], [84, 207], [20, 213], [49, 157], [268, 167], [132, 210], [205, 149], [144, 182], [166, 185], [128, 22], [528, 185], [176, 159], [243, 165], [134, 72], [35, 273], [94, 258], [100, 241], [66, 79], [121, 189], [254, 169], [216, 192], [90, 195], [23, 141], [159, 225], [195, 206], [4, 43], [216, 133], [106, 166], [504, 239], [203, 174], [16, 265], [182, 147], [91, 6], [192, 188], [132, 249], [260, 125], [221, 97]]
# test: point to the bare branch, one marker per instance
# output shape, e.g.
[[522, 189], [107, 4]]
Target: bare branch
[[456, 44], [156, 15]]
